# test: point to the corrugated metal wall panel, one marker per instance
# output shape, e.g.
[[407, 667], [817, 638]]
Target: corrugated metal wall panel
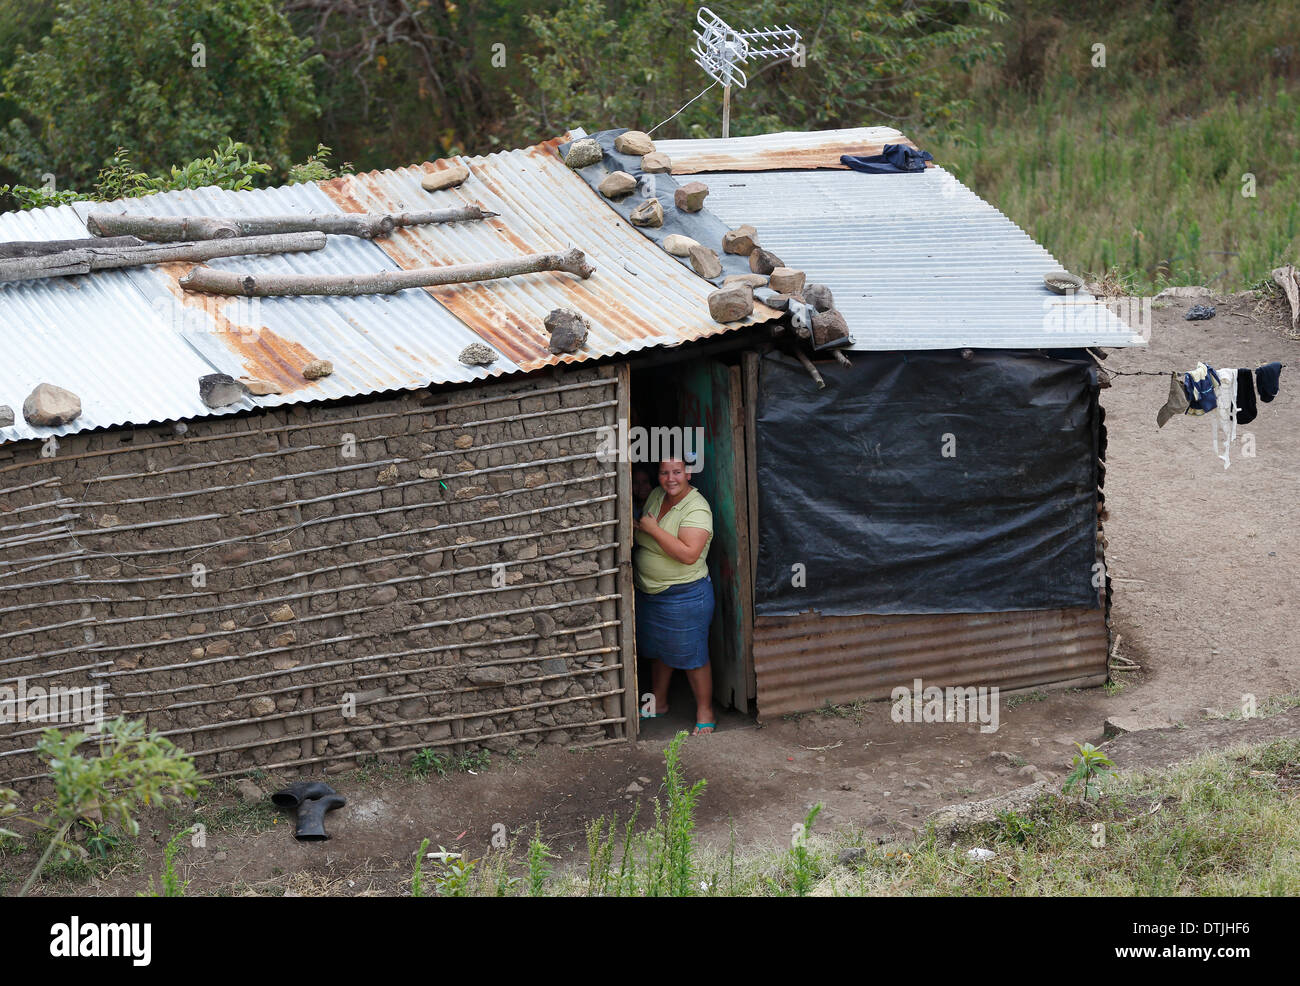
[[803, 662]]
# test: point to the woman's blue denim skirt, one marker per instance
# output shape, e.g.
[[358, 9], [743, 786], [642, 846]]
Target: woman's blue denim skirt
[[673, 625]]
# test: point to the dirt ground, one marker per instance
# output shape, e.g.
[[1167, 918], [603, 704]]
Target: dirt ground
[[1206, 559]]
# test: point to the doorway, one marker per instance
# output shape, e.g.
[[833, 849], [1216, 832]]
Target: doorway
[[706, 394]]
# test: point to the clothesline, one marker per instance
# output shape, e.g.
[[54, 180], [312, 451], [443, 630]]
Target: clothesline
[[1142, 373], [1226, 396]]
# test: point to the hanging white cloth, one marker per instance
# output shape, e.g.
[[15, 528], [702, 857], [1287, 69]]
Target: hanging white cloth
[[1225, 416]]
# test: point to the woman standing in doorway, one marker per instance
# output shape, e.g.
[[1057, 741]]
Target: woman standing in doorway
[[674, 595]]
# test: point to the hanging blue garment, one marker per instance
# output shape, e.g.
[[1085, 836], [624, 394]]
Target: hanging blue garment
[[1200, 393], [894, 159]]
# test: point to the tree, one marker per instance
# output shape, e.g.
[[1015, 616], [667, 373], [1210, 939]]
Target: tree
[[131, 768], [169, 80], [605, 64], [406, 78]]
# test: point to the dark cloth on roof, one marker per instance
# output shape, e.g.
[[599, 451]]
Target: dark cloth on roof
[[1247, 408], [1268, 378], [894, 159]]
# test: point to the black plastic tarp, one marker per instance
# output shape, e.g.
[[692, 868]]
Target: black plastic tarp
[[924, 482]]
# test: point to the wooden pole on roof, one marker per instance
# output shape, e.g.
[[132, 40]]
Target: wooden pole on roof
[[380, 282], [87, 259], [166, 229], [40, 248]]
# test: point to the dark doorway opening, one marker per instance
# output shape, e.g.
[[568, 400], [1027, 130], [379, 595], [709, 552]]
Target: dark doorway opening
[[705, 394]]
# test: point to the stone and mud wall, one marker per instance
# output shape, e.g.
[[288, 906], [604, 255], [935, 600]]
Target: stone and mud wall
[[315, 585]]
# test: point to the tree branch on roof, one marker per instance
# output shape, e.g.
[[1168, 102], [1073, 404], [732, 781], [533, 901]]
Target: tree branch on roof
[[380, 282], [87, 259], [166, 229]]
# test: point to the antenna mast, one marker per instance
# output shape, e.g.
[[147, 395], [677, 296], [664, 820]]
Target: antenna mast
[[720, 50]]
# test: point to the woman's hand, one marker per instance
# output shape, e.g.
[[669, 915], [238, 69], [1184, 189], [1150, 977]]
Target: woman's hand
[[647, 523]]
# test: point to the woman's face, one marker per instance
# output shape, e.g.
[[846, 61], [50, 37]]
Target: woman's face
[[672, 476]]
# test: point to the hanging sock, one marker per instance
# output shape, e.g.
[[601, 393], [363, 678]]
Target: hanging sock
[[1268, 377], [1247, 408]]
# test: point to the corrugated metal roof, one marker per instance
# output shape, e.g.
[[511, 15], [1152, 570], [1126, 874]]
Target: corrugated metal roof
[[132, 344], [806, 149], [915, 261], [639, 296]]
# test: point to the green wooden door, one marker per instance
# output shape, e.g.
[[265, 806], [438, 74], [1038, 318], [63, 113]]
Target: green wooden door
[[710, 398]]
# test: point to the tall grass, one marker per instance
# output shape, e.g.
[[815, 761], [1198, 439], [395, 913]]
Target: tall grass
[[1226, 824], [1141, 165]]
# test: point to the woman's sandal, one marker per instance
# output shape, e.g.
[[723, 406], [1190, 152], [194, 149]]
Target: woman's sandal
[[710, 726]]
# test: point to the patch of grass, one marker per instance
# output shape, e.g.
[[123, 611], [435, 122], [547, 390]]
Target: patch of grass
[[219, 808], [426, 762], [1135, 171], [1225, 824], [853, 711], [1269, 707], [1023, 697], [96, 850], [373, 769], [172, 885], [475, 760]]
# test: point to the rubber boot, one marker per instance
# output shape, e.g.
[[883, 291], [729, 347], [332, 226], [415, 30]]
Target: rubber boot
[[311, 817], [295, 794]]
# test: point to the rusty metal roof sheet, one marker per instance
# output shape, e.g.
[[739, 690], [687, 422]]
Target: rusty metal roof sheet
[[639, 296], [766, 152], [132, 344]]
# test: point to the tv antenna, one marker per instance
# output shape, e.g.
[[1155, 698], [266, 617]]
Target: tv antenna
[[721, 50]]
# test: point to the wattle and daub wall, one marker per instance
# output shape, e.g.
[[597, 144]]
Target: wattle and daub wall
[[314, 585]]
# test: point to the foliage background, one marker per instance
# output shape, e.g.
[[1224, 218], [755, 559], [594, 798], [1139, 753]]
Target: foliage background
[[1136, 167]]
